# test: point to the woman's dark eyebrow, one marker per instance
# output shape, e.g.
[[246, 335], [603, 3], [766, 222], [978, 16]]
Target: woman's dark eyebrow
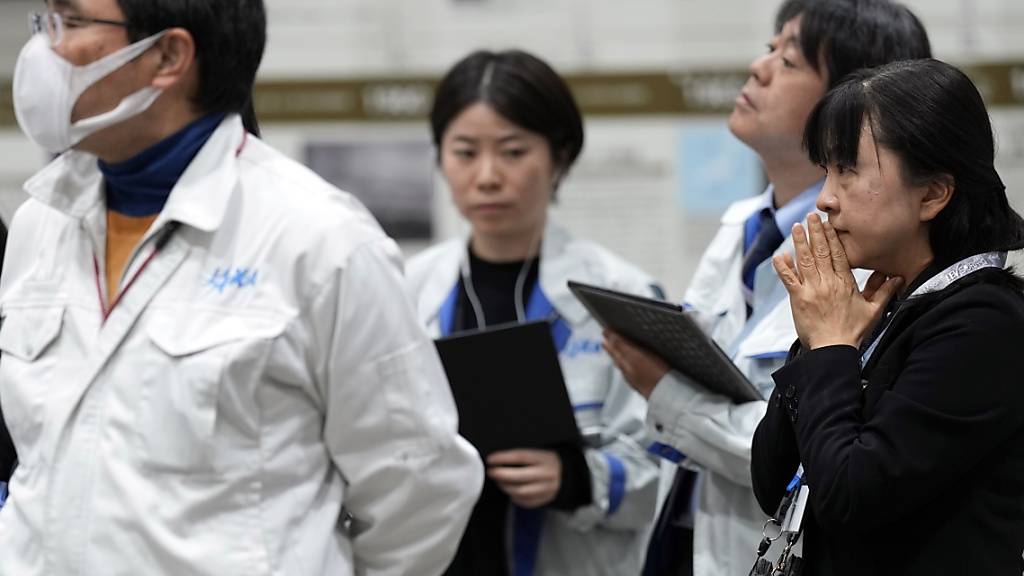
[[501, 140]]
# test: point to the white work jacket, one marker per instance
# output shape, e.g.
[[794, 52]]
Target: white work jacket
[[261, 401], [608, 536], [715, 434]]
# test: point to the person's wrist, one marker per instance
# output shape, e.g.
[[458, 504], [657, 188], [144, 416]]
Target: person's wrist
[[826, 341], [653, 384]]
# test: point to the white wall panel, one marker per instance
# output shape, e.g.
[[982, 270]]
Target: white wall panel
[[368, 36], [636, 212], [358, 37]]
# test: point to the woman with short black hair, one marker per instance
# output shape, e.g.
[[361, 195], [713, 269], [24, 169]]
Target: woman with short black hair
[[507, 130], [906, 412]]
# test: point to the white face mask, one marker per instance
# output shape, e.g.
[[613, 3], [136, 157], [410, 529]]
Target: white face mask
[[46, 88]]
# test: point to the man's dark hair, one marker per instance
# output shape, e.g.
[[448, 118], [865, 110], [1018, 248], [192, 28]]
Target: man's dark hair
[[846, 35], [230, 36], [518, 86], [931, 116]]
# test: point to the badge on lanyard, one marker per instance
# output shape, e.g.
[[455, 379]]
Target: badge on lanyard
[[788, 519]]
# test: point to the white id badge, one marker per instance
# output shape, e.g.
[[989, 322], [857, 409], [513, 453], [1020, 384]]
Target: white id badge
[[795, 514]]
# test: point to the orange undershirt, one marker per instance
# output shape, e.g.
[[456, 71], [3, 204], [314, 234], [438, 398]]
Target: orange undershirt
[[123, 235]]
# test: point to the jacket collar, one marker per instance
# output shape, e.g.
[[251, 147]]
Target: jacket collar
[[794, 211], [557, 267], [72, 183], [738, 212]]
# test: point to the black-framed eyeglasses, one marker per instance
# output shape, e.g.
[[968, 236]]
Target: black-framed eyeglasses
[[54, 24]]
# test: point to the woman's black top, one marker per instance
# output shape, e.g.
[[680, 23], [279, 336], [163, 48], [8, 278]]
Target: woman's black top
[[482, 550], [7, 455], [915, 464]]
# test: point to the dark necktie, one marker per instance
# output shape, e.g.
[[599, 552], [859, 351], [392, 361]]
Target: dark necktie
[[670, 550], [767, 239]]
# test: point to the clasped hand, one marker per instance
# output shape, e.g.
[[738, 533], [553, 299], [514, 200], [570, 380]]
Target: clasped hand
[[828, 308]]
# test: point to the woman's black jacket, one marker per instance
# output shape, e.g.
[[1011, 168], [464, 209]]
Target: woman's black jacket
[[915, 464]]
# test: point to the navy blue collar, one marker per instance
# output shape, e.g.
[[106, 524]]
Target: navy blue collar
[[140, 185]]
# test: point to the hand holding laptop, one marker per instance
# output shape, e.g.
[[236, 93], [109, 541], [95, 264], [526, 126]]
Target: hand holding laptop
[[642, 368]]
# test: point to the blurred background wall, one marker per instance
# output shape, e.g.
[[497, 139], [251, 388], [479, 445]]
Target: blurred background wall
[[346, 85]]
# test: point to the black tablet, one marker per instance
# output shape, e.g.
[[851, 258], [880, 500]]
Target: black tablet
[[665, 329], [508, 387]]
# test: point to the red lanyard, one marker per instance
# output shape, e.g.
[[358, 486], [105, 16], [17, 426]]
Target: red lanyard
[[161, 241]]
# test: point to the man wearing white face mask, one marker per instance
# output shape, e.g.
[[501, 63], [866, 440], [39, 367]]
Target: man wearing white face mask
[[209, 363]]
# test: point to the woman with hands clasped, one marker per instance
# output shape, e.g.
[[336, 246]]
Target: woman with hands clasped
[[903, 402]]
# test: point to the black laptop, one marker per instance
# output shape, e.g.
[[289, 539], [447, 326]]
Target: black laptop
[[508, 387], [665, 329]]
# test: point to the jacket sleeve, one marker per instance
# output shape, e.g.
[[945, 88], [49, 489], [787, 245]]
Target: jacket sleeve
[[774, 456], [390, 421], [956, 399], [707, 428], [624, 477]]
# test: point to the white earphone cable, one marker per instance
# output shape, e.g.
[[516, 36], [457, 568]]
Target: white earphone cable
[[520, 287]]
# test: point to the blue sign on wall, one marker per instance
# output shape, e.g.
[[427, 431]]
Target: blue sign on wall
[[715, 170]]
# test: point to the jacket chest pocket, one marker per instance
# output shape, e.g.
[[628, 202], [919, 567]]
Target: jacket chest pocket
[[198, 409], [27, 369]]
